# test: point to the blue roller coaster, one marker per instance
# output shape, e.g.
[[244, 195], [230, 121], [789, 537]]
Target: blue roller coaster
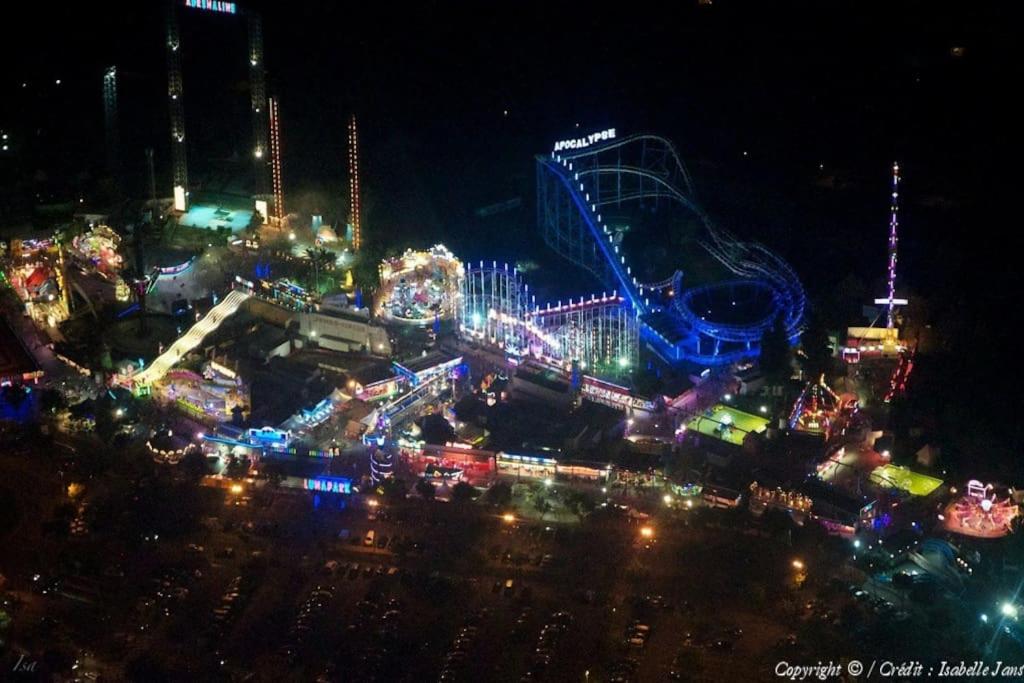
[[711, 325]]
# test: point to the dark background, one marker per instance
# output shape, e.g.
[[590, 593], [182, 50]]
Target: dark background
[[821, 96]]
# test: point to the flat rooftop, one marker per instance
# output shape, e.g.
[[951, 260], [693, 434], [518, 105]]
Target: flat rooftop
[[914, 483], [213, 216], [15, 361], [728, 424], [432, 359]]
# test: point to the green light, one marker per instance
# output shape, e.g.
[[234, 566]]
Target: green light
[[623, 362]]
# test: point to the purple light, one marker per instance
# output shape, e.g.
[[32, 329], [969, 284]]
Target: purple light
[[890, 320]]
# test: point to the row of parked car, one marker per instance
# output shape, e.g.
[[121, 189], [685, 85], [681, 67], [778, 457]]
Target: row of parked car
[[518, 558], [550, 636], [308, 618], [228, 608], [352, 570], [455, 659]]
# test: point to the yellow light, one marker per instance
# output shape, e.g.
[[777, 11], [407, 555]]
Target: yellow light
[[373, 502], [647, 532], [508, 517], [798, 564], [236, 488]]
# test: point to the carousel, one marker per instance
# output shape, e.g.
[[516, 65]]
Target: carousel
[[419, 287], [981, 512], [816, 409]]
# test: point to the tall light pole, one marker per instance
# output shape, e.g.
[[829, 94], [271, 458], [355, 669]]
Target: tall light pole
[[353, 184], [275, 162]]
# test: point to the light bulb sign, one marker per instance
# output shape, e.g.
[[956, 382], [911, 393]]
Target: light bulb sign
[[212, 6], [586, 141]]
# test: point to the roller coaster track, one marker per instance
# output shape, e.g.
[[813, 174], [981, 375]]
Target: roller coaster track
[[589, 182], [191, 339]]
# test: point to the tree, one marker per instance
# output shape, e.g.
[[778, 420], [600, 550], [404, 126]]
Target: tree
[[777, 523], [146, 667], [499, 494], [52, 401], [579, 502], [194, 464], [817, 354], [252, 229], [436, 429], [425, 489], [463, 493], [394, 489], [539, 500], [320, 258], [775, 354]]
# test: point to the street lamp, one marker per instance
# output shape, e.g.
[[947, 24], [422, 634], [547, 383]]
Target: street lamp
[[801, 574], [1009, 610], [647, 532], [667, 498], [508, 518]]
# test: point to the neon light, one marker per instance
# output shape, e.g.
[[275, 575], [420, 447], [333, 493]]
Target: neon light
[[212, 6], [275, 161], [580, 143], [328, 484], [890, 318], [353, 184]]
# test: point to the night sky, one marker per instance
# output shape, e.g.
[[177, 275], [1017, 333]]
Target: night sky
[[847, 85]]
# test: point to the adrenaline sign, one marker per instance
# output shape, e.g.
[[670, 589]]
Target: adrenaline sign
[[579, 143], [212, 5]]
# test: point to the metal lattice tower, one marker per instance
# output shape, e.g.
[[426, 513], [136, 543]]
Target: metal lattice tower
[[275, 161], [258, 99], [493, 305], [353, 184], [176, 106], [152, 179], [110, 121], [602, 334], [175, 95]]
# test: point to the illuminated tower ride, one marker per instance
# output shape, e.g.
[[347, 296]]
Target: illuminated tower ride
[[110, 123], [891, 301], [177, 110], [275, 162], [257, 100], [353, 184], [175, 93]]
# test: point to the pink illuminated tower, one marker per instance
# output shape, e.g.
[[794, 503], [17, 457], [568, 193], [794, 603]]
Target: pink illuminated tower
[[891, 301]]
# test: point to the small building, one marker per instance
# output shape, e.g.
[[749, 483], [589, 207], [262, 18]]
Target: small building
[[840, 512], [422, 368]]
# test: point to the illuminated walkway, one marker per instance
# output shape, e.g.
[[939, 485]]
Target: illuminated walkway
[[191, 339]]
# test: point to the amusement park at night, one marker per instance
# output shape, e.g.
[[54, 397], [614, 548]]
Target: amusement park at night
[[398, 354]]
